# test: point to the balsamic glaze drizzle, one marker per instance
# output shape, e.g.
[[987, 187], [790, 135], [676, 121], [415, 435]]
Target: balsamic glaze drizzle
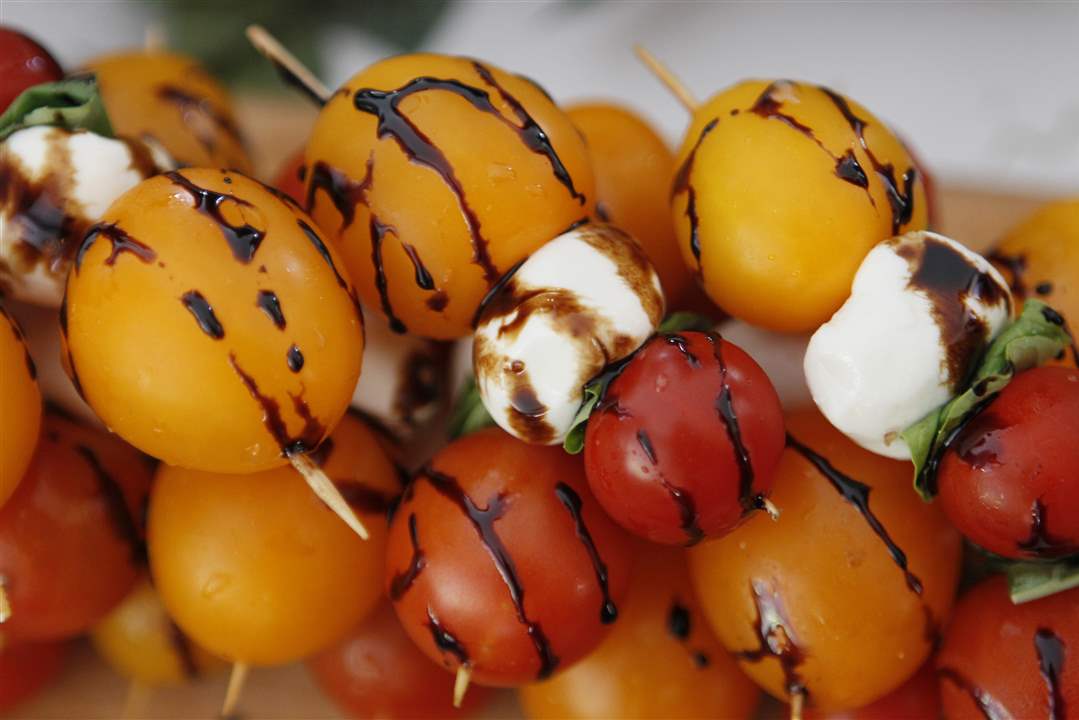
[[724, 405], [269, 304], [569, 498], [31, 368], [243, 240], [687, 508], [483, 520], [401, 582], [857, 494], [775, 638], [72, 372], [121, 243], [345, 193], [294, 358], [1040, 543], [1050, 650], [119, 514], [682, 183], [679, 625], [312, 432], [444, 639], [189, 104], [198, 306], [378, 232], [990, 707]]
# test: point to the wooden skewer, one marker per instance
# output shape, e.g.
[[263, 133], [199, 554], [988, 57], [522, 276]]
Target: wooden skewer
[[291, 69], [327, 492], [769, 507], [665, 76], [138, 696], [236, 686], [797, 705], [461, 683], [5, 604]]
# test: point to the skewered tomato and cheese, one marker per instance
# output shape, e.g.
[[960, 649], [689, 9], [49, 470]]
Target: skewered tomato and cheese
[[54, 184], [586, 299], [921, 311]]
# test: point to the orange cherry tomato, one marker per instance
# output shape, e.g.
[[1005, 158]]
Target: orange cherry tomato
[[20, 406], [435, 175]]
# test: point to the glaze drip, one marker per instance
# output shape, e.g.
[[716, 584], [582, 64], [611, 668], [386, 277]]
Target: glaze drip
[[572, 502]]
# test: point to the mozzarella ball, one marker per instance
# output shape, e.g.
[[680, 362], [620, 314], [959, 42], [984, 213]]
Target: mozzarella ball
[[921, 311], [586, 299]]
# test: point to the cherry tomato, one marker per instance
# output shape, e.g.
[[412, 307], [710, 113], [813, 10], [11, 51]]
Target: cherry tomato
[[660, 659], [500, 561], [378, 672], [170, 99], [290, 177], [843, 597], [634, 168], [1001, 660], [782, 189], [255, 568], [209, 324], [1009, 480], [71, 541], [1040, 258], [139, 641], [683, 403], [27, 667], [435, 175], [20, 405], [916, 699], [23, 64]]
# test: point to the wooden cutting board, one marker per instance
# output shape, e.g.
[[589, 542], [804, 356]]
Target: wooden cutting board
[[88, 689]]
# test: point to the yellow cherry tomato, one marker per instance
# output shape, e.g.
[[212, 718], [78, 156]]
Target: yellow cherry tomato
[[255, 568], [660, 659], [1040, 258], [210, 325], [634, 168], [172, 100], [141, 642], [20, 406], [782, 189], [435, 175]]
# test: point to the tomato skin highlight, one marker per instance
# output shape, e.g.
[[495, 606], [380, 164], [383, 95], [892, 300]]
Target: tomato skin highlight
[[686, 440], [1009, 480], [1005, 660]]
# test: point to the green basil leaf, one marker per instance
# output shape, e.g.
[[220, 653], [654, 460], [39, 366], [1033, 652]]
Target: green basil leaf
[[469, 413], [682, 321], [1030, 580], [73, 104], [1032, 339]]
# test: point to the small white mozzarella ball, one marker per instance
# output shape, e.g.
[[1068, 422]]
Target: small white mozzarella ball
[[56, 183], [403, 383], [587, 298], [780, 355], [921, 311]]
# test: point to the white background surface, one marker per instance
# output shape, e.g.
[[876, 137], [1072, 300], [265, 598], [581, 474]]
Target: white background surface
[[988, 93]]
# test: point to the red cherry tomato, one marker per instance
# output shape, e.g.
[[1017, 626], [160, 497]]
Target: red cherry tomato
[[26, 668], [916, 699], [685, 442], [1001, 660], [71, 536], [499, 560], [378, 672], [290, 178], [23, 64], [1010, 482]]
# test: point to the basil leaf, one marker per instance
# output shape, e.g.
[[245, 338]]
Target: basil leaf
[[469, 413], [1032, 339], [682, 321], [594, 392], [73, 104], [1030, 581]]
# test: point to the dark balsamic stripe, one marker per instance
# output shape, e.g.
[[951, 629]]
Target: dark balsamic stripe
[[724, 406], [1050, 651], [378, 233], [682, 183], [990, 707], [269, 304], [444, 639], [294, 358], [531, 134], [345, 193], [687, 508], [121, 243], [189, 103], [313, 430], [31, 368], [569, 498], [71, 371], [680, 342], [679, 621], [857, 494], [483, 522], [364, 499], [423, 278], [646, 445], [243, 240], [401, 582], [324, 251], [495, 290], [198, 306], [119, 514]]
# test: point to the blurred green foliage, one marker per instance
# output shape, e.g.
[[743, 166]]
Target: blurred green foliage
[[213, 31]]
